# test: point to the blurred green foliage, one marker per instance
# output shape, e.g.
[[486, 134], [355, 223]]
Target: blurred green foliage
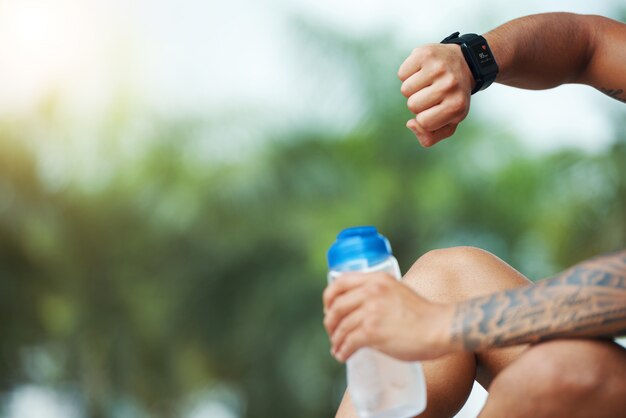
[[165, 272]]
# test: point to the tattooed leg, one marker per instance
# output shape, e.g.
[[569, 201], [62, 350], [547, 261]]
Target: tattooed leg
[[562, 378]]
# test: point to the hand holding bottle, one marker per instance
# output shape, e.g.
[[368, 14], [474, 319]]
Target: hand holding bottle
[[375, 310], [380, 386]]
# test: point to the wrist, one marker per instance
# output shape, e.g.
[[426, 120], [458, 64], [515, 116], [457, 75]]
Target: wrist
[[445, 338], [478, 57], [464, 71], [500, 53]]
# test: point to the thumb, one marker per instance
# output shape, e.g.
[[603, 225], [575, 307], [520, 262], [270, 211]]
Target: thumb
[[427, 138]]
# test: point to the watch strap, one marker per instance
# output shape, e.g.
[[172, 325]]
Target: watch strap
[[483, 79]]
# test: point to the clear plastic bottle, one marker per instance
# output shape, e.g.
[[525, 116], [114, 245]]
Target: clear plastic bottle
[[380, 386]]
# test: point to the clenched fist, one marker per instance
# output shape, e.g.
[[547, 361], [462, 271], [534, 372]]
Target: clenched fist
[[437, 83]]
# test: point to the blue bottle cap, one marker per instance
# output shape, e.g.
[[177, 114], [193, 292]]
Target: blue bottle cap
[[358, 243]]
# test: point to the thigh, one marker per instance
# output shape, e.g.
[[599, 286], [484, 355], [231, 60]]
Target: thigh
[[573, 378]]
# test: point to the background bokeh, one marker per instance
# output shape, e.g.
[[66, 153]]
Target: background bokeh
[[172, 173]]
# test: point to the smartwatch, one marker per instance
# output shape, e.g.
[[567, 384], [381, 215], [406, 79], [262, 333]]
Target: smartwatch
[[479, 58]]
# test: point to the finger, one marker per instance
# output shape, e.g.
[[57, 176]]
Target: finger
[[427, 138], [343, 306], [439, 135], [414, 62], [342, 284], [352, 342], [424, 99], [424, 137], [450, 111], [345, 327], [415, 83]]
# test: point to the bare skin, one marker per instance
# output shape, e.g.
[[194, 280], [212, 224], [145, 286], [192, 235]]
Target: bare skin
[[477, 320], [375, 310], [588, 300], [464, 288], [533, 52], [448, 276]]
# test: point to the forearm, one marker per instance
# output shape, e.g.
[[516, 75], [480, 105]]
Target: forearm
[[588, 300], [546, 50]]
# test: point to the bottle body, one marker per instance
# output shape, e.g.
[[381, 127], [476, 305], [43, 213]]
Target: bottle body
[[381, 386]]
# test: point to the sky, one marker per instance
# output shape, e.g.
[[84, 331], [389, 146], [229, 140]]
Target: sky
[[199, 57]]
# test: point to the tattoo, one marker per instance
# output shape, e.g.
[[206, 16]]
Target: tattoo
[[614, 93], [588, 300]]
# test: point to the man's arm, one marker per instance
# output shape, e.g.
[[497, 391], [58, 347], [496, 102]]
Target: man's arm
[[534, 52], [547, 50], [377, 311], [588, 300]]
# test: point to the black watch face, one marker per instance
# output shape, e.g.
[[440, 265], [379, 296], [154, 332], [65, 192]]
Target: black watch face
[[483, 56]]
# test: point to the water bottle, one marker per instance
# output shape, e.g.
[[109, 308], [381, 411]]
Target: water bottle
[[380, 386]]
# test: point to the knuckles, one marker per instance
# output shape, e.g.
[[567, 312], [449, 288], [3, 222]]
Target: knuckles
[[422, 135], [413, 105], [376, 289], [457, 104], [425, 52], [376, 292], [370, 328], [418, 55], [438, 68], [424, 122], [327, 295], [406, 90], [449, 83], [373, 308], [328, 322], [380, 284], [426, 142]]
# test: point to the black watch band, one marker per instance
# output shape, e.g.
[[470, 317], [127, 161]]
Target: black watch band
[[478, 56]]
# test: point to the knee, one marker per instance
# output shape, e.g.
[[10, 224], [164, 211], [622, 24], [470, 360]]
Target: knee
[[442, 274], [446, 255], [553, 371], [448, 261]]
